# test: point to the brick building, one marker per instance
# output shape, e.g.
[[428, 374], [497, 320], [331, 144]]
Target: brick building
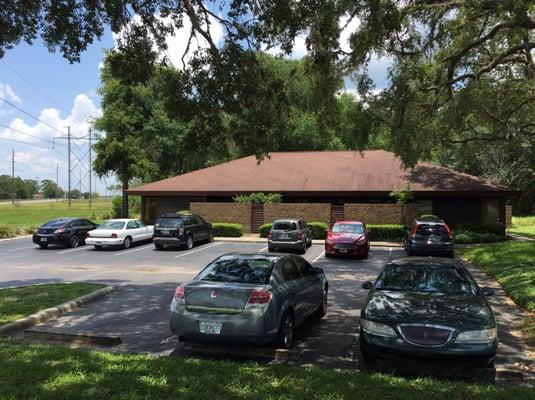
[[327, 185]]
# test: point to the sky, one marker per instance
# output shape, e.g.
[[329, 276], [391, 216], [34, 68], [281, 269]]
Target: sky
[[59, 94]]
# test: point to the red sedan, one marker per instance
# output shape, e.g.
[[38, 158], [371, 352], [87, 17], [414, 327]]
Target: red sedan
[[348, 238]]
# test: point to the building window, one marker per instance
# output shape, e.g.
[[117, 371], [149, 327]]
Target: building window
[[490, 211]]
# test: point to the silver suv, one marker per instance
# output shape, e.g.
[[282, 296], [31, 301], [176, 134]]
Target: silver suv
[[289, 234]]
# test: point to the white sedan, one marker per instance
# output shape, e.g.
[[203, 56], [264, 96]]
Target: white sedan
[[119, 232]]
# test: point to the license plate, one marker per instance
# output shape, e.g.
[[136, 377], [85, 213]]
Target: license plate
[[212, 328], [165, 232], [342, 250], [285, 236], [44, 239], [98, 242]]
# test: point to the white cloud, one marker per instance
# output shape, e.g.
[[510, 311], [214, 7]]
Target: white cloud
[[7, 93], [177, 42], [347, 25]]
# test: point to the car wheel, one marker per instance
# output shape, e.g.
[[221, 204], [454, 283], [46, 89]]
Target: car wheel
[[43, 246], [158, 246], [97, 247], [328, 255], [365, 255], [127, 242], [303, 249], [286, 331], [211, 237], [410, 252], [270, 249], [74, 241], [367, 362], [189, 242], [322, 310]]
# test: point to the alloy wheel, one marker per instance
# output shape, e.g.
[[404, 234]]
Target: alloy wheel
[[288, 332], [189, 242], [74, 241], [127, 243]]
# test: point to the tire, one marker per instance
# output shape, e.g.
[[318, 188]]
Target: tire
[[328, 255], [365, 256], [303, 249], [367, 362], [158, 246], [127, 242], [211, 237], [43, 246], [97, 247], [309, 242], [189, 242], [271, 249], [323, 308], [286, 331], [74, 241]]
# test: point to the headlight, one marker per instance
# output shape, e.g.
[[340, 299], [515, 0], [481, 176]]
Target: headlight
[[482, 336], [376, 328]]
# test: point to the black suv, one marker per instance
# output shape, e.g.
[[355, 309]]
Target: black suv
[[181, 230], [429, 236]]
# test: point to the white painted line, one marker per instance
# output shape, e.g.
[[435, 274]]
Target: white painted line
[[71, 250], [201, 249], [20, 248], [133, 250], [262, 250], [318, 257]]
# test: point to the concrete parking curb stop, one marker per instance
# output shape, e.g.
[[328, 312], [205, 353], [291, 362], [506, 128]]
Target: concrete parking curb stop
[[45, 315]]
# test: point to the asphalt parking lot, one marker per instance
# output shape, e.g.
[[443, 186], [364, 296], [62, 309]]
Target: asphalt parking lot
[[138, 311]]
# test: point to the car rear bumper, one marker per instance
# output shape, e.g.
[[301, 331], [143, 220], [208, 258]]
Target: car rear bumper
[[477, 354], [434, 249], [38, 238], [103, 241], [281, 244], [254, 326], [169, 241], [354, 250]]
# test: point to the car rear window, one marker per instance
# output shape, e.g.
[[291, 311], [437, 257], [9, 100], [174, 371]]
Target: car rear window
[[441, 278], [431, 229], [112, 225], [348, 228], [56, 223], [244, 269], [284, 226], [169, 223]]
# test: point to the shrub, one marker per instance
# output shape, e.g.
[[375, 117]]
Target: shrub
[[318, 229], [465, 237], [7, 231], [387, 232], [30, 229], [116, 207], [462, 238], [264, 230], [227, 230], [496, 228], [258, 198]]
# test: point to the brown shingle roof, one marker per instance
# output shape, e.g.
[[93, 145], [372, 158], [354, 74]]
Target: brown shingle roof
[[320, 172]]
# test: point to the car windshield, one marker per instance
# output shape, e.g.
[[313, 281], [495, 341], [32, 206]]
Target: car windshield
[[244, 269], [431, 229], [348, 228], [112, 225], [56, 223], [441, 278], [284, 226], [169, 223]]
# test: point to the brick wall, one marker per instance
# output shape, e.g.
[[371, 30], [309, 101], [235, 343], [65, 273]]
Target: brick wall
[[307, 211], [224, 212], [509, 216], [381, 213]]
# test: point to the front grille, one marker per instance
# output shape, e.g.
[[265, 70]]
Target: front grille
[[425, 335], [344, 246]]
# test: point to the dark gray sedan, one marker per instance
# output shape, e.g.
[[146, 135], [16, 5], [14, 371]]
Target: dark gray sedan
[[249, 298]]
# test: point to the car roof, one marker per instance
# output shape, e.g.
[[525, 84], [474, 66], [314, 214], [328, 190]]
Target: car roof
[[175, 215], [66, 219], [354, 222], [430, 219], [253, 254], [287, 220], [122, 220], [424, 260]]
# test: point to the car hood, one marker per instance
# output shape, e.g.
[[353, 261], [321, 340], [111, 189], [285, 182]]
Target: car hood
[[458, 311], [345, 237]]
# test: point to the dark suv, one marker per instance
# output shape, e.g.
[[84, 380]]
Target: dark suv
[[429, 236], [181, 230]]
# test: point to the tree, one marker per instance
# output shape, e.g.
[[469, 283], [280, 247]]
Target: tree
[[50, 190], [75, 194]]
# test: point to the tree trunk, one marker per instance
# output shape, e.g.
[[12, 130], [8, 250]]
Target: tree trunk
[[125, 199]]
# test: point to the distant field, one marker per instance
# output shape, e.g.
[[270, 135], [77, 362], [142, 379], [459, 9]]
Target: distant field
[[523, 226], [29, 214]]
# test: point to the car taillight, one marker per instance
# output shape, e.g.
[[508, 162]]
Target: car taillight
[[59, 230], [259, 297], [179, 293], [414, 230], [270, 234], [448, 230], [299, 236], [114, 235]]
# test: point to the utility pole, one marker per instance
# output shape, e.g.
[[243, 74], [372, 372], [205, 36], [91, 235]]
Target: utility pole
[[12, 176], [69, 164], [90, 189], [80, 181], [57, 180]]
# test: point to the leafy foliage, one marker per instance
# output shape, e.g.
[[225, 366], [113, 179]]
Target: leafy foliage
[[7, 231], [387, 232], [227, 230], [258, 198], [318, 229], [264, 230]]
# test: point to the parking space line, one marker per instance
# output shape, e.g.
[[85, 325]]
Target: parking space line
[[262, 250], [71, 250], [133, 250], [19, 248], [318, 257], [201, 249]]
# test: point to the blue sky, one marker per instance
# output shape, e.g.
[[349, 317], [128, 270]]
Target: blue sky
[[45, 85]]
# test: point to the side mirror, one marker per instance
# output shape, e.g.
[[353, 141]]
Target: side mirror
[[318, 270], [367, 285], [487, 291]]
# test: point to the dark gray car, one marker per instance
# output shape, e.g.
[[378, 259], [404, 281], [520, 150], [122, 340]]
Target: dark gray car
[[289, 234], [249, 298], [429, 236]]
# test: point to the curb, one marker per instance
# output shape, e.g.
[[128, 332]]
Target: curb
[[44, 315]]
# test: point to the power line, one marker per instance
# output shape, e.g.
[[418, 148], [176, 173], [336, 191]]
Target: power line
[[25, 143], [28, 134], [30, 115]]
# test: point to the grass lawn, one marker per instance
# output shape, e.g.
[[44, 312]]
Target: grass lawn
[[47, 372], [20, 302], [511, 263], [524, 226]]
